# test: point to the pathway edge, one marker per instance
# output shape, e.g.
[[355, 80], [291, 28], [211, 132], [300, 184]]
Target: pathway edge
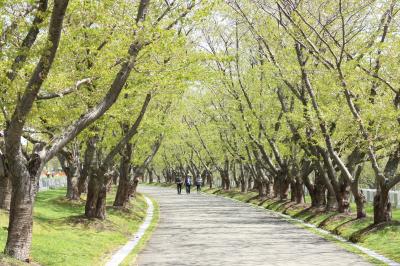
[[119, 256]]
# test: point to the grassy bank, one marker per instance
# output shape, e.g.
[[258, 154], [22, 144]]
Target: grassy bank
[[61, 236], [385, 241]]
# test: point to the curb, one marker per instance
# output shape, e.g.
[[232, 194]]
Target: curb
[[123, 252]]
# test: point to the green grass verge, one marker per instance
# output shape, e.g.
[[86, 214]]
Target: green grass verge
[[385, 241], [61, 236], [131, 258]]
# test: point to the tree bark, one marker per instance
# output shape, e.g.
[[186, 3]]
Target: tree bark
[[123, 191], [317, 192], [99, 185], [70, 164], [151, 177], [242, 178], [270, 189], [332, 202], [89, 164], [5, 185], [297, 187], [262, 190], [96, 196], [284, 184], [20, 221], [344, 198], [243, 187], [5, 192], [360, 205], [382, 207]]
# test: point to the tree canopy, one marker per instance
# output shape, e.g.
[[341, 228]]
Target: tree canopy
[[276, 96]]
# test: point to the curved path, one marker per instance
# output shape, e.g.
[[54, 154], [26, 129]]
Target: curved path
[[199, 229]]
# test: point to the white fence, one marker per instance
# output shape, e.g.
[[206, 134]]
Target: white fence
[[369, 194], [52, 183], [393, 195]]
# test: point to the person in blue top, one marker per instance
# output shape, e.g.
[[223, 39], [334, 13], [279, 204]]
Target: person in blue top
[[188, 183]]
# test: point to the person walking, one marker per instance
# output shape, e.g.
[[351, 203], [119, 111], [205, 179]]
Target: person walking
[[178, 181], [199, 182], [188, 183]]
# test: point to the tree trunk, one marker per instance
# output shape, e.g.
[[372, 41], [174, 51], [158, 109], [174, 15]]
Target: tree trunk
[[262, 190], [24, 178], [270, 189], [317, 193], [5, 185], [256, 184], [5, 192], [209, 180], [360, 204], [89, 163], [284, 188], [276, 188], [293, 191], [225, 182], [344, 198], [123, 191], [133, 186], [299, 194], [101, 202], [20, 224], [382, 207], [69, 162], [318, 197], [82, 185], [249, 182], [115, 180], [359, 199], [92, 195], [151, 177], [243, 187], [72, 188], [332, 202], [96, 196], [316, 190]]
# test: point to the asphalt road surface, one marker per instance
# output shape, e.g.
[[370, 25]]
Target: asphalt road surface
[[200, 229]]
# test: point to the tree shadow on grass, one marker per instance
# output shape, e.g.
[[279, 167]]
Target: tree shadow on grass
[[252, 198], [303, 212], [263, 201], [324, 222], [313, 215], [309, 213], [288, 206], [358, 235], [275, 205], [336, 230], [285, 205]]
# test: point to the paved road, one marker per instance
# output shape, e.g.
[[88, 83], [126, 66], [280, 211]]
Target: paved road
[[207, 230]]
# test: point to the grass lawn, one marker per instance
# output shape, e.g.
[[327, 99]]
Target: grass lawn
[[61, 236], [384, 241]]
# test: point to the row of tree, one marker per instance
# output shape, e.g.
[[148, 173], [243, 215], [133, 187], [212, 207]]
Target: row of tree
[[92, 83], [299, 93], [274, 95]]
